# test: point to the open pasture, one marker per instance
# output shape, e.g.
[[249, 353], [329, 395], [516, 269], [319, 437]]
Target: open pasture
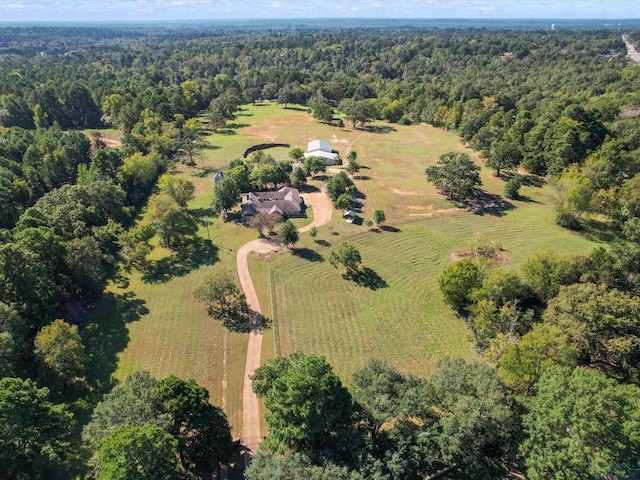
[[396, 311]]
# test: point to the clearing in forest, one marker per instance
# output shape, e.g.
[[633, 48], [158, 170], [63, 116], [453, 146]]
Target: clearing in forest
[[396, 312]]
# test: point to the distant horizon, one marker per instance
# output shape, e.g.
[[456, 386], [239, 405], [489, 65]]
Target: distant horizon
[[346, 23], [314, 19], [101, 11]]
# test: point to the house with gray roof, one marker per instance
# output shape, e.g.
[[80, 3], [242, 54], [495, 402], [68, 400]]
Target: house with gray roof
[[286, 202]]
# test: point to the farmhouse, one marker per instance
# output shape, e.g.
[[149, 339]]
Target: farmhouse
[[322, 149], [286, 202]]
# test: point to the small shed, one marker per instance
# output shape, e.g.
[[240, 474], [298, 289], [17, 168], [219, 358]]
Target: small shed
[[349, 216]]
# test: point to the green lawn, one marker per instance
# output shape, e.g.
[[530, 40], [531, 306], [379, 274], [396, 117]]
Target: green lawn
[[154, 323], [271, 123], [400, 316], [162, 328]]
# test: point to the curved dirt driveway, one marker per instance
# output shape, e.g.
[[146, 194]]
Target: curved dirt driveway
[[251, 437]]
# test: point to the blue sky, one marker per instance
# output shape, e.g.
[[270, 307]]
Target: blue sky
[[53, 10]]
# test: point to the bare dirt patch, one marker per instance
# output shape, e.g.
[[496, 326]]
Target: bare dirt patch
[[483, 247], [269, 132], [200, 189], [421, 207], [436, 212], [499, 257], [632, 53], [267, 257], [111, 141], [399, 191], [335, 139]]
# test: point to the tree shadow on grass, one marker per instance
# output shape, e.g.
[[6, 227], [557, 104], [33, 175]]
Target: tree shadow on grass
[[380, 129], [307, 254], [597, 231], [305, 188], [259, 323], [202, 173], [106, 335], [533, 181], [525, 199], [208, 146], [201, 213], [323, 243], [194, 254], [367, 277], [389, 228], [490, 204], [360, 195], [238, 323]]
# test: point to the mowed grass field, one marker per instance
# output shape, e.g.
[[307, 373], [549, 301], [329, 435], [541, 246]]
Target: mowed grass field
[[154, 323], [167, 330], [400, 315]]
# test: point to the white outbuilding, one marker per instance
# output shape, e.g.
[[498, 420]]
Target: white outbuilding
[[322, 149]]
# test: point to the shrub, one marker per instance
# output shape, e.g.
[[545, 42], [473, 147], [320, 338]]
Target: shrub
[[567, 219], [512, 187]]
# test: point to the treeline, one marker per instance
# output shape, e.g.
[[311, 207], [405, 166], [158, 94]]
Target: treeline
[[577, 423], [67, 229], [143, 428], [68, 202], [410, 74]]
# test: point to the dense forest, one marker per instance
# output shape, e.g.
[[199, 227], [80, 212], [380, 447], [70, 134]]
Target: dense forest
[[562, 341]]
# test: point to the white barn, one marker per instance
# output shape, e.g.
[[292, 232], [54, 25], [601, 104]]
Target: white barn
[[322, 149]]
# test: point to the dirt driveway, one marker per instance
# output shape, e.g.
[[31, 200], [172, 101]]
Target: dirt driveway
[[251, 437]]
